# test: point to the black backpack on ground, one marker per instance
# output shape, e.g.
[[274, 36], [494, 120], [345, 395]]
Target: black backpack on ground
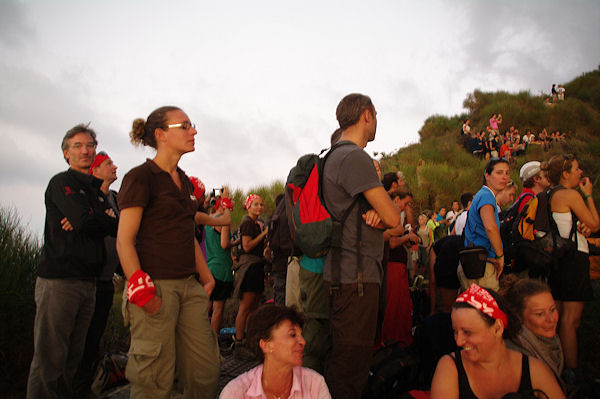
[[392, 372]]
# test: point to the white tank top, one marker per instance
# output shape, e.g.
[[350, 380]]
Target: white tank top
[[564, 221]]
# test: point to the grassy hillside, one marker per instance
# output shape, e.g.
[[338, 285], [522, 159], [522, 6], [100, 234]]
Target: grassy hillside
[[438, 169]]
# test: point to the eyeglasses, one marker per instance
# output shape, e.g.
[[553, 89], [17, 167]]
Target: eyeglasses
[[184, 125], [79, 146]]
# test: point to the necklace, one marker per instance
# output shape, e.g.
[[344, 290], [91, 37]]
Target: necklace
[[284, 395]]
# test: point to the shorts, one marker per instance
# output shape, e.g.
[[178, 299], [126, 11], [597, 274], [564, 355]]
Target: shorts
[[254, 279], [571, 282], [222, 291]]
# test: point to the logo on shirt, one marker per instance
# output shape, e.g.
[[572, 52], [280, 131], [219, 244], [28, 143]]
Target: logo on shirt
[[69, 191]]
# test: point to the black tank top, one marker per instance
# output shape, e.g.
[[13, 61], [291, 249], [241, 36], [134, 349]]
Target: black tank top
[[464, 388]]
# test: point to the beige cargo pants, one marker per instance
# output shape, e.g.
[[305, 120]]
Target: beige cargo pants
[[177, 337]]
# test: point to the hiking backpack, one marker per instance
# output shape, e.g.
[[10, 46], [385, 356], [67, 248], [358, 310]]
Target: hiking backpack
[[310, 223], [536, 240], [279, 236], [507, 220]]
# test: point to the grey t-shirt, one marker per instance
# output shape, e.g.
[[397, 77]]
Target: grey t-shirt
[[348, 172]]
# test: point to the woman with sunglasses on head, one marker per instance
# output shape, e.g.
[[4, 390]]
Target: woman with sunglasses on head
[[168, 279], [571, 282], [483, 225], [484, 367]]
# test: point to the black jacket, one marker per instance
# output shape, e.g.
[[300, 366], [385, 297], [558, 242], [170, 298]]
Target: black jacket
[[77, 254]]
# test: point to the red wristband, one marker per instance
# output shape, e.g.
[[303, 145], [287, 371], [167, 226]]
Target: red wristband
[[140, 288]]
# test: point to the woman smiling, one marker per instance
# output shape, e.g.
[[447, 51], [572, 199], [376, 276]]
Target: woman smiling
[[485, 368], [535, 307], [275, 334]]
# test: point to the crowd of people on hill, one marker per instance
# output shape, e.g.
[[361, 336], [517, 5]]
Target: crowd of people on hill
[[514, 328], [490, 143]]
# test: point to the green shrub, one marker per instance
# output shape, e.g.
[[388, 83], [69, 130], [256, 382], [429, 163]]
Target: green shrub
[[19, 252]]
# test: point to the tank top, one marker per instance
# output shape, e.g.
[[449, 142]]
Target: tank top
[[564, 222], [424, 236], [464, 388]]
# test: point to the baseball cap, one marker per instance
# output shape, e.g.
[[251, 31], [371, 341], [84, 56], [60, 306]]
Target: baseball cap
[[529, 170]]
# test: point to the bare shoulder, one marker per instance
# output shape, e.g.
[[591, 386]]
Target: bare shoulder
[[445, 379], [543, 379]]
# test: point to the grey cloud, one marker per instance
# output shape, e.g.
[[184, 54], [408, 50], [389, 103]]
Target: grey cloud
[[494, 30], [40, 104], [15, 28]]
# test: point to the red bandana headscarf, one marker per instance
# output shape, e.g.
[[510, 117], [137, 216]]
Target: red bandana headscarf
[[483, 301], [98, 161], [249, 200]]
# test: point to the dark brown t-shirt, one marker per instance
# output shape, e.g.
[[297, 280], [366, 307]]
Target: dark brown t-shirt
[[251, 228], [165, 239]]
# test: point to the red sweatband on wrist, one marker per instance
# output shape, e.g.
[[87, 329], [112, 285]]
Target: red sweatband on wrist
[[140, 288]]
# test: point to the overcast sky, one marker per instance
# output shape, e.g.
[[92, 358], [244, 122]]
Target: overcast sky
[[260, 79]]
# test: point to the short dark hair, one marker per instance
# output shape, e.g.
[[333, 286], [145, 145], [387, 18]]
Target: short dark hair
[[401, 195], [514, 324], [530, 182], [80, 128], [465, 198], [266, 318], [389, 179], [350, 109]]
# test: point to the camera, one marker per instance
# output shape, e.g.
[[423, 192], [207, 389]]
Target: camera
[[215, 192]]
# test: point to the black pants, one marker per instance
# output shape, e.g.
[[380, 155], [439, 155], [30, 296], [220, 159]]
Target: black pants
[[104, 299]]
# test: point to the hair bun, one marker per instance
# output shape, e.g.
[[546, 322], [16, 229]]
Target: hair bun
[[137, 131]]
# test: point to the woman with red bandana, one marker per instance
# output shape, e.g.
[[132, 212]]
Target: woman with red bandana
[[485, 367], [249, 271]]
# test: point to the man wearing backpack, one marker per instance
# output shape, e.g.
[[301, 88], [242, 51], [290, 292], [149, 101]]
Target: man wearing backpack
[[353, 273], [534, 182]]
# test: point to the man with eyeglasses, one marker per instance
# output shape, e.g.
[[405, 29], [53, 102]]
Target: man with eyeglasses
[[78, 217]]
